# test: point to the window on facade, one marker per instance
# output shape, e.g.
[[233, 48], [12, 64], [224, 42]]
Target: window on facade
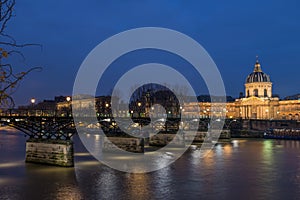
[[255, 92], [265, 92], [248, 93]]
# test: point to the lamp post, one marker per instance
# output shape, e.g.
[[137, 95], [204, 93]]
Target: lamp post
[[106, 109], [139, 104], [131, 113], [114, 124], [32, 100], [68, 98]]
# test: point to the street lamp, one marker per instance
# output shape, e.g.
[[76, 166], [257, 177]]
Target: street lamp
[[114, 127], [106, 109], [68, 98], [139, 104], [32, 100]]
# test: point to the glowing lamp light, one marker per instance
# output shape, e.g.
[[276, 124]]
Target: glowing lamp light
[[32, 100]]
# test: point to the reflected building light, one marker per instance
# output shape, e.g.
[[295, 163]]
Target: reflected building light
[[88, 163], [235, 143], [82, 154], [66, 192], [219, 149], [10, 164], [268, 151], [227, 150], [97, 137], [138, 185]]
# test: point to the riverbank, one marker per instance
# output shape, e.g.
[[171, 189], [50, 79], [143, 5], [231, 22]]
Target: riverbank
[[247, 134], [8, 129]]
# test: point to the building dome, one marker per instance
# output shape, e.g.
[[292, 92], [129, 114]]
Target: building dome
[[257, 76]]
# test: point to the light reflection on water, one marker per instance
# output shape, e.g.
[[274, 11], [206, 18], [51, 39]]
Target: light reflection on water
[[242, 169]]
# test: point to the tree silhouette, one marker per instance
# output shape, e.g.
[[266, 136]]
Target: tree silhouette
[[9, 77]]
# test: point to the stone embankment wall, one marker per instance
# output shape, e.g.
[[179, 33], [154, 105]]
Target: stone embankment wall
[[262, 125]]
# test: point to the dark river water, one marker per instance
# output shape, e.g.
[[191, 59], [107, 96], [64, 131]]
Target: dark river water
[[240, 169]]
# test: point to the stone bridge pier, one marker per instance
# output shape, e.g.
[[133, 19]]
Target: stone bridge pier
[[50, 151]]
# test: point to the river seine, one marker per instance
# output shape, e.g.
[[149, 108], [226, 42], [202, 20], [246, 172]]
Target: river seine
[[240, 169]]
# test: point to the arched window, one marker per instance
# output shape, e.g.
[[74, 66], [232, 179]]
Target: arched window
[[265, 93], [255, 92], [248, 93]]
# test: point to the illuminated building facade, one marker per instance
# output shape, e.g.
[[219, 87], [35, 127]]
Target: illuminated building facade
[[258, 103]]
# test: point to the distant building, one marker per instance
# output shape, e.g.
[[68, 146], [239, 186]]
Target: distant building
[[258, 102], [294, 97], [84, 103]]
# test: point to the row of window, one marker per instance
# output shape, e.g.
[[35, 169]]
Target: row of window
[[255, 93]]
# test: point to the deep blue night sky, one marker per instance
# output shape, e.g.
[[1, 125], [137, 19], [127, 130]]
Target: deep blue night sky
[[233, 33]]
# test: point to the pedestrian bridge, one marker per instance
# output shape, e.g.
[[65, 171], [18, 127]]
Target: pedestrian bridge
[[50, 134]]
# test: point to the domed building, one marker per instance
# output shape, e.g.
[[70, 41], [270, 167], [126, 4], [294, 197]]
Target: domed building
[[258, 83], [258, 102]]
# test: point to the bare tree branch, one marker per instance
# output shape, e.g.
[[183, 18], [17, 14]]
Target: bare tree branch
[[9, 79]]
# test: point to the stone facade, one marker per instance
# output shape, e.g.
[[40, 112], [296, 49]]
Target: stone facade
[[258, 103]]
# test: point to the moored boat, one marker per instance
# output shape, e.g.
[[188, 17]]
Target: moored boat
[[282, 133]]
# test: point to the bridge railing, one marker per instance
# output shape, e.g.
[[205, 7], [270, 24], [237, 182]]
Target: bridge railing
[[34, 112]]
